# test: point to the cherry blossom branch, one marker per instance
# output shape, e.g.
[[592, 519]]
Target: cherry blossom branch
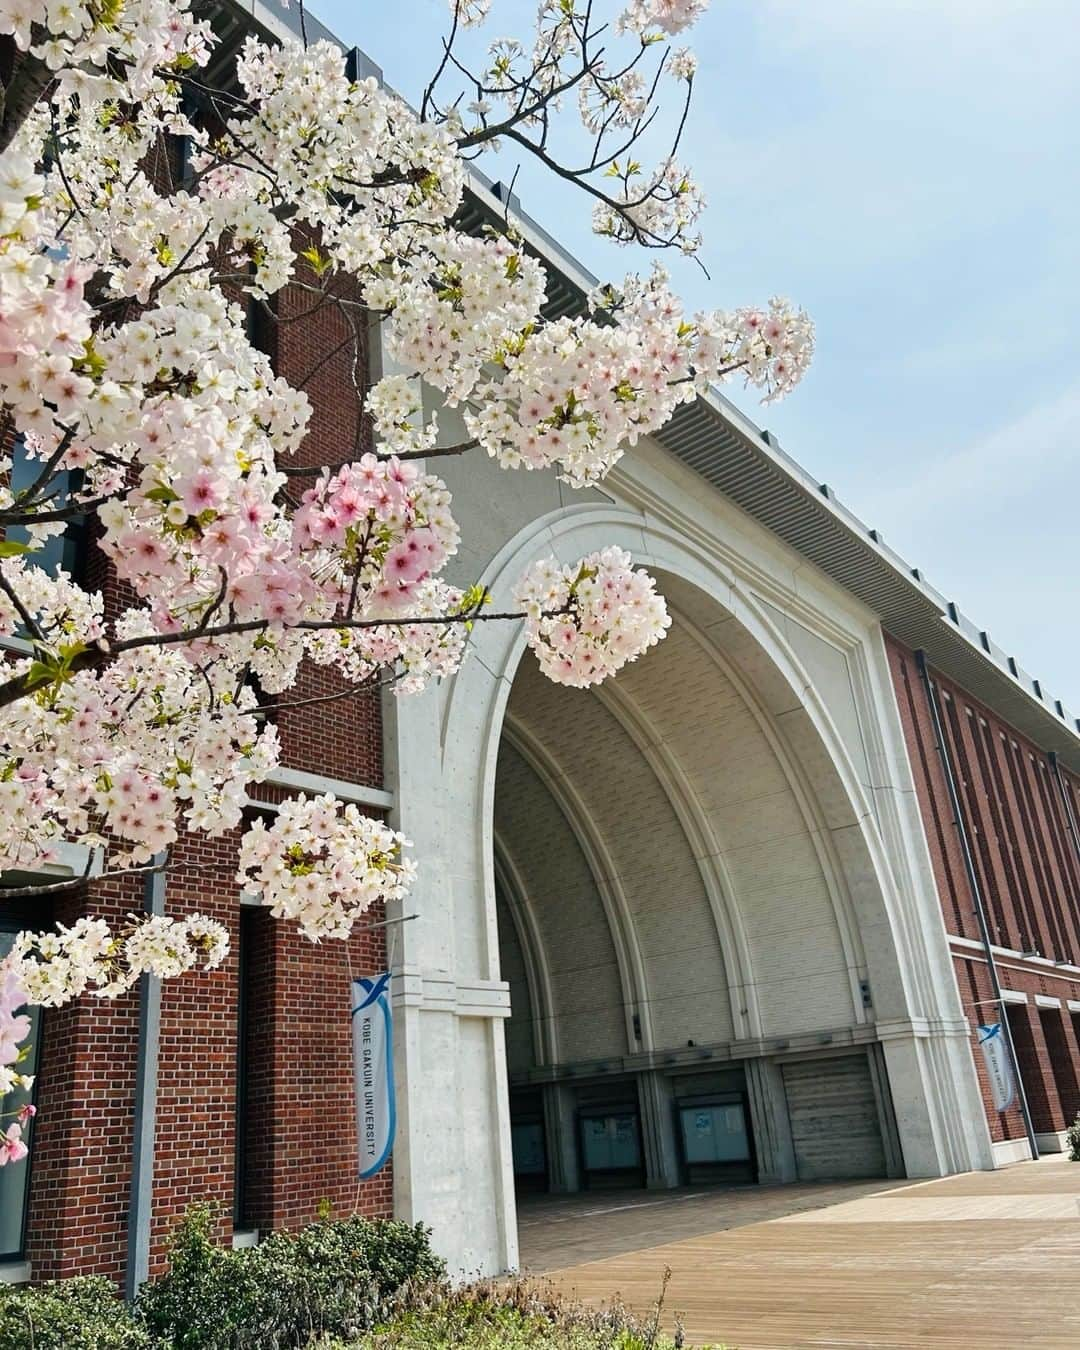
[[70, 883], [101, 651], [24, 79], [435, 452]]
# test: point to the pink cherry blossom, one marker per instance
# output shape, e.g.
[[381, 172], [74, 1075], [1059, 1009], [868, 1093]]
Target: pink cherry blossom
[[12, 1148]]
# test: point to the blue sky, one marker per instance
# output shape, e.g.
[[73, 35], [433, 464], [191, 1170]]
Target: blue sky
[[908, 171]]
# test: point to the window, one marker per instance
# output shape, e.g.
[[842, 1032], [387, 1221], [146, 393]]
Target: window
[[15, 1177], [61, 550], [243, 1031]]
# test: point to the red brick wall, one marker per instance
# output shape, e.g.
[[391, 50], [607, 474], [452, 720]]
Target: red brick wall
[[301, 1143], [81, 1160], [320, 349], [195, 1138], [1028, 872]]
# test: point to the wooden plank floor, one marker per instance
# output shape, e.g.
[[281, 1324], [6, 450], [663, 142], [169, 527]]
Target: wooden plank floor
[[985, 1261]]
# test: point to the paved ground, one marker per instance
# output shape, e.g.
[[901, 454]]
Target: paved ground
[[565, 1230], [984, 1261]]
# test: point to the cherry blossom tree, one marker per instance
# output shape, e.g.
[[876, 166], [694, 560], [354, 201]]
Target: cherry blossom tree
[[131, 386]]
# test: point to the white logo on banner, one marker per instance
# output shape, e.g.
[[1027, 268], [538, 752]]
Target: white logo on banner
[[998, 1065], [373, 1068]]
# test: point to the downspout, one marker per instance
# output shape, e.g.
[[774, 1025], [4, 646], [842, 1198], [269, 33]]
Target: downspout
[[140, 1203], [976, 893], [1070, 818]]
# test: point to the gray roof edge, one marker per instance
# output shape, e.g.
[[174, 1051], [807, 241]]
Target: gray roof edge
[[934, 618]]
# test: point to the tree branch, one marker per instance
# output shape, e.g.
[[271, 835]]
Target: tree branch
[[22, 91], [99, 653]]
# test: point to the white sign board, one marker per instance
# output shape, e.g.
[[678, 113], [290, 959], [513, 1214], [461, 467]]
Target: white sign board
[[373, 1068], [998, 1065]]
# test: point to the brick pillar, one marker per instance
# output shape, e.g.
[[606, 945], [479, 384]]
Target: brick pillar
[[301, 1143], [1064, 1060], [1035, 1071], [80, 1170]]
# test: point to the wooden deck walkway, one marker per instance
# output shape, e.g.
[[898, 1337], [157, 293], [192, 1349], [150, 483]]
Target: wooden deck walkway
[[983, 1261]]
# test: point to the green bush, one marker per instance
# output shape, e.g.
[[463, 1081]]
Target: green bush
[[329, 1278], [84, 1313], [510, 1315], [1072, 1138]]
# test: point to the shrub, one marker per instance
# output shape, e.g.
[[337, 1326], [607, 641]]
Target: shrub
[[1072, 1138], [329, 1278], [511, 1315], [84, 1313]]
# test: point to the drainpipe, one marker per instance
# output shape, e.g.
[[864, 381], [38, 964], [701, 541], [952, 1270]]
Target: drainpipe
[[137, 1269], [976, 893], [1070, 818]]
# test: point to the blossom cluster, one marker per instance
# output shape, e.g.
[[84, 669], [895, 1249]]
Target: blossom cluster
[[587, 620], [669, 16], [14, 1030], [580, 390], [52, 968], [122, 754], [771, 348], [57, 966], [323, 866], [141, 35], [14, 1026]]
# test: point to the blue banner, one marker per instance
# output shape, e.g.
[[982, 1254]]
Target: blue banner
[[998, 1065], [373, 1068]]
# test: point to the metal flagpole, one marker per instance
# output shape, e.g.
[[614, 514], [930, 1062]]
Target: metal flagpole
[[141, 1192], [976, 893]]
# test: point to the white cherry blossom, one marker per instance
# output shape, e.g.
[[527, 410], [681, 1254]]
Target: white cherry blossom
[[129, 374]]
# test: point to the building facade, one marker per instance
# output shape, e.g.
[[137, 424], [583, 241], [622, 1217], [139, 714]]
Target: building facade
[[712, 923]]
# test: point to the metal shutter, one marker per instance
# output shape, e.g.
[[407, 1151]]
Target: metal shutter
[[835, 1126]]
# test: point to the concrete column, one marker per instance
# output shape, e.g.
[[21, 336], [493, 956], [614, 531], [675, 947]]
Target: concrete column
[[890, 1135], [940, 1131], [453, 1167], [769, 1122], [560, 1139], [662, 1171]]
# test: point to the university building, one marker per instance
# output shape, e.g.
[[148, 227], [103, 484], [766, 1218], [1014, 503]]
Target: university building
[[735, 916]]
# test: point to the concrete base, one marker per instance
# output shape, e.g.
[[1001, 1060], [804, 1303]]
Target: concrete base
[[1008, 1151], [1052, 1143]]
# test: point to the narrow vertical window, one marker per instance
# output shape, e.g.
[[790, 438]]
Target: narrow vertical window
[[241, 1208]]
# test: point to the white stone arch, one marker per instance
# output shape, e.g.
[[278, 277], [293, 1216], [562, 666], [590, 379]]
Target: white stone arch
[[575, 811], [782, 689], [806, 798], [538, 974], [919, 1018], [735, 947]]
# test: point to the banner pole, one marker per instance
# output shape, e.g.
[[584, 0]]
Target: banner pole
[[976, 895]]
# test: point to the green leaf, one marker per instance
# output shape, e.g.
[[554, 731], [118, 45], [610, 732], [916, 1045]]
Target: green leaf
[[11, 548], [41, 672], [68, 653], [162, 493], [320, 264]]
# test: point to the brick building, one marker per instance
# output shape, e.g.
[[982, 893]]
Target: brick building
[[713, 923], [1019, 812]]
